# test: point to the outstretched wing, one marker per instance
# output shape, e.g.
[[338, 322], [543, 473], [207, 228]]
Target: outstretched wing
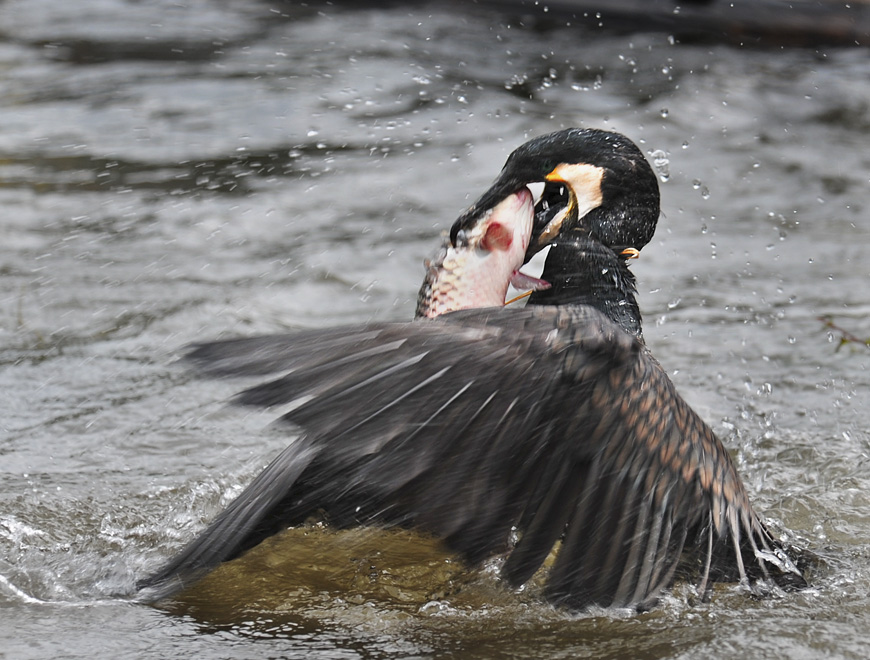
[[482, 427]]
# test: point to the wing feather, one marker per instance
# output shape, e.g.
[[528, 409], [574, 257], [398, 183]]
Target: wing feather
[[543, 424]]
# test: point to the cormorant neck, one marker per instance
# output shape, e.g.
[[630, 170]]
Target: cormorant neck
[[584, 271]]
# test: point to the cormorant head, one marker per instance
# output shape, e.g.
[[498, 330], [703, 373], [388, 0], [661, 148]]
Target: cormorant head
[[596, 182]]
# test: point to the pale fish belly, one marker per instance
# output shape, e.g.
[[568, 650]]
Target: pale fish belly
[[478, 273]]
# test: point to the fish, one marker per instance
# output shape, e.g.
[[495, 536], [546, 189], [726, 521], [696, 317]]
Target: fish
[[475, 268]]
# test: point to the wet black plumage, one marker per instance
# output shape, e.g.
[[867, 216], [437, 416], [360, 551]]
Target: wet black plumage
[[506, 430]]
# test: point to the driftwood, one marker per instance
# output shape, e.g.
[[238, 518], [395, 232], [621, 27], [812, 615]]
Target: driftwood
[[746, 22]]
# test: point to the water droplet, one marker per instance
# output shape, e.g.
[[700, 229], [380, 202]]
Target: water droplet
[[664, 112], [662, 164]]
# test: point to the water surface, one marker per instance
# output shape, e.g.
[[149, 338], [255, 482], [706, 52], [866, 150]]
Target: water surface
[[175, 172]]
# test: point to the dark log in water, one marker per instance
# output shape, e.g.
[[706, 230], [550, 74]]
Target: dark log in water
[[746, 22]]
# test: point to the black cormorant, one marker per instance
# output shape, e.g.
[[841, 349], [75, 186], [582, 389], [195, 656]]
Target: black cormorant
[[506, 430]]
